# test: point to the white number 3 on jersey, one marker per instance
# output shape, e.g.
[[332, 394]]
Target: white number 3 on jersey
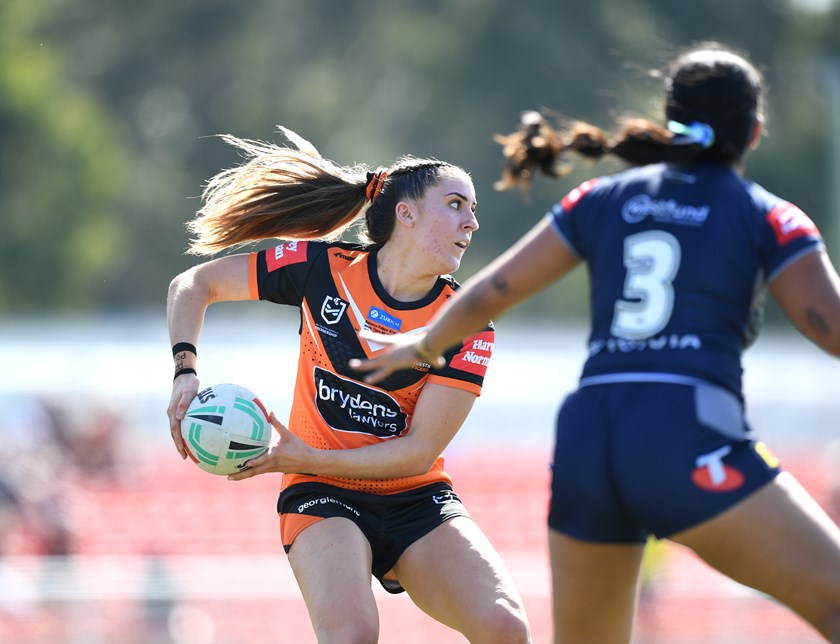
[[652, 260]]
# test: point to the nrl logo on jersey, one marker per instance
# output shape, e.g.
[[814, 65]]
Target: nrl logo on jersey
[[332, 309]]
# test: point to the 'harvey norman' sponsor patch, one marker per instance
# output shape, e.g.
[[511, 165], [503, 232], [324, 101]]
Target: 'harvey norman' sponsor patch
[[475, 355], [285, 254]]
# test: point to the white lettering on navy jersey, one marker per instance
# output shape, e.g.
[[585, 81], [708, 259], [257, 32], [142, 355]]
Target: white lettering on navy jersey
[[672, 341], [652, 261], [639, 207]]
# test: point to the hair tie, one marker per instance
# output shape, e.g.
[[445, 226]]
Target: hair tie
[[373, 186], [695, 133]]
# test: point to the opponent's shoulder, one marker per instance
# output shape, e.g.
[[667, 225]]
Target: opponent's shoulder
[[763, 200], [607, 186], [635, 176]]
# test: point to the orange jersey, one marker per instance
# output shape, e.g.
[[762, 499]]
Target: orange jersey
[[337, 288]]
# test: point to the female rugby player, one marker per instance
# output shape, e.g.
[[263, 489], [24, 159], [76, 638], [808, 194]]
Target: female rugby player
[[679, 249], [364, 491]]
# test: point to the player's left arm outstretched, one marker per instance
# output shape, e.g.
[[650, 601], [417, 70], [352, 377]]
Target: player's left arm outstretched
[[437, 417], [190, 293]]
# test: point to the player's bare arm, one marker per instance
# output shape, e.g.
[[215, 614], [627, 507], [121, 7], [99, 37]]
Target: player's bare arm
[[807, 291], [439, 414]]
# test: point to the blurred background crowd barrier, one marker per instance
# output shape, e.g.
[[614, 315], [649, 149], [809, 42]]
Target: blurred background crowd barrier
[[107, 536], [108, 120]]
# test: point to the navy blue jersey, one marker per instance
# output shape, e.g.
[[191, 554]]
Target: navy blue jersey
[[678, 260]]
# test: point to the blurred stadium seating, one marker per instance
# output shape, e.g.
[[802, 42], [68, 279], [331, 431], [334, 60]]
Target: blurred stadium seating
[[173, 554]]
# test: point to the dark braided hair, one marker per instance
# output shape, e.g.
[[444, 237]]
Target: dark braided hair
[[408, 178], [709, 89], [287, 193]]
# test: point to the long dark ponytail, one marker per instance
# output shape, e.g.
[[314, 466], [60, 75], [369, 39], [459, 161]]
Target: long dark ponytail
[[713, 100]]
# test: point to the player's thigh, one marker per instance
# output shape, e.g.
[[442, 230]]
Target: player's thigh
[[331, 561], [455, 575], [594, 588], [779, 541]]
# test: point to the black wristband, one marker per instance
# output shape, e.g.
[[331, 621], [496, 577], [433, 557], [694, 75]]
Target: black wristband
[[183, 346], [182, 371]]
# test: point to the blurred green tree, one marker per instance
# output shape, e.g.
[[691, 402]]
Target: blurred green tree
[[108, 112]]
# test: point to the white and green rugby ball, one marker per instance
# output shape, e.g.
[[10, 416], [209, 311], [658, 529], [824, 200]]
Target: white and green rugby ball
[[225, 426]]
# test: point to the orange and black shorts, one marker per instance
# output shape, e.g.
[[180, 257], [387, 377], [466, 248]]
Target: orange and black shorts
[[390, 522]]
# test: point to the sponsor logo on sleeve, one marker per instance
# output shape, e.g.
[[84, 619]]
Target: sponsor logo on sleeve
[[570, 200], [284, 254], [789, 223], [475, 354]]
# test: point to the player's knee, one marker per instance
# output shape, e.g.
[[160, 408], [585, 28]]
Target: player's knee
[[349, 632], [507, 624]]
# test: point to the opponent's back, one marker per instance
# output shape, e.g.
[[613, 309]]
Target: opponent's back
[[678, 256]]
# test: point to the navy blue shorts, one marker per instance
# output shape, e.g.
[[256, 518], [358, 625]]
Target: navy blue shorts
[[633, 459], [390, 522]]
